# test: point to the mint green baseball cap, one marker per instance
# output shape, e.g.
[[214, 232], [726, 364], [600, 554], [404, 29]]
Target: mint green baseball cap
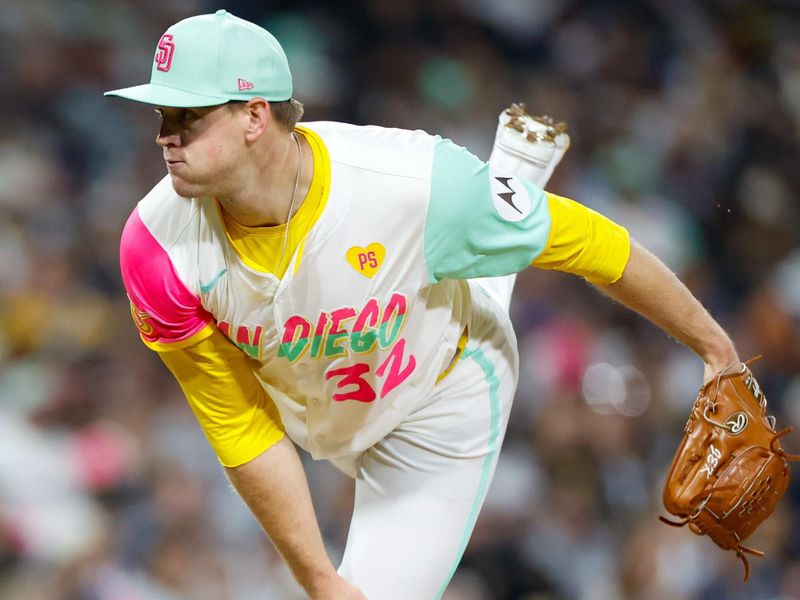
[[212, 59]]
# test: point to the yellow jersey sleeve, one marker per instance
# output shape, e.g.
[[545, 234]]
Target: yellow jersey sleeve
[[237, 416], [584, 242]]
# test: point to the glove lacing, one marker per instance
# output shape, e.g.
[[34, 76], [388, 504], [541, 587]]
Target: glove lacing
[[711, 407], [711, 532]]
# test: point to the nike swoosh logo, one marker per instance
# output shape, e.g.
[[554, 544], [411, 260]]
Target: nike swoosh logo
[[213, 283]]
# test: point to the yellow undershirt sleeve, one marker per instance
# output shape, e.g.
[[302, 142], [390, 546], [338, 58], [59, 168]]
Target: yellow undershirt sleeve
[[584, 242], [238, 418]]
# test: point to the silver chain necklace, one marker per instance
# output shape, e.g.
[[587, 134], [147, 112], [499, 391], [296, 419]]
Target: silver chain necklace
[[294, 196]]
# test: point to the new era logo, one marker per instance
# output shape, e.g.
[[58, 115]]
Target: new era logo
[[244, 85]]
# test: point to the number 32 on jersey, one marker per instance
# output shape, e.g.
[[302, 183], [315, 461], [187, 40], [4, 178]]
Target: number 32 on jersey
[[392, 370], [348, 331]]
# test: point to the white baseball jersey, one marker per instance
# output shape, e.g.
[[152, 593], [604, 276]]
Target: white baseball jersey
[[374, 302]]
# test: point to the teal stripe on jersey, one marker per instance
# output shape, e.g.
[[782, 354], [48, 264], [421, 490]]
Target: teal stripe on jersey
[[486, 365], [480, 223]]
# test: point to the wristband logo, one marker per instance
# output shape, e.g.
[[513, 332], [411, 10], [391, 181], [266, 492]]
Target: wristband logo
[[737, 423], [164, 52]]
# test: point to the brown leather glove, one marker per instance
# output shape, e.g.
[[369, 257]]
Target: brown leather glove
[[729, 471]]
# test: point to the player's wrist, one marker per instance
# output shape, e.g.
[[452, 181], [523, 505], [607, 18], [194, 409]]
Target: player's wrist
[[721, 353], [329, 585], [317, 580]]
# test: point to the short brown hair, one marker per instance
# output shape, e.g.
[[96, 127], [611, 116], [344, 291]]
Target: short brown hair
[[286, 112]]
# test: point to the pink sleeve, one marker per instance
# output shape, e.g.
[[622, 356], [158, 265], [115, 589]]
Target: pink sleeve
[[167, 314]]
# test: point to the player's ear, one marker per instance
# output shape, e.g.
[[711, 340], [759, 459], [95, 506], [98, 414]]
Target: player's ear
[[259, 118]]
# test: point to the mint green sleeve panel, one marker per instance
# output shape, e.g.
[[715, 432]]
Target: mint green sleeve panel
[[480, 223]]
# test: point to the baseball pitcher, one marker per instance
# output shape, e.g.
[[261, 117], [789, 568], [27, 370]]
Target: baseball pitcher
[[345, 289]]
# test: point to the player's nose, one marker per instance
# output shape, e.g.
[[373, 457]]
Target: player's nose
[[167, 135]]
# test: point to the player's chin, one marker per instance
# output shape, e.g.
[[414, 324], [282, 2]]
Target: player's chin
[[184, 188]]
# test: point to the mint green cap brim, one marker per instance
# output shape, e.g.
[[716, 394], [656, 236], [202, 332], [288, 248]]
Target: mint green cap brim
[[162, 95]]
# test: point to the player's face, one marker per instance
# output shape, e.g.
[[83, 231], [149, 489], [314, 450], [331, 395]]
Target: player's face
[[200, 148]]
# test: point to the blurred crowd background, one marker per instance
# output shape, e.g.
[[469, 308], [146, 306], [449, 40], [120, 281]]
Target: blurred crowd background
[[685, 124]]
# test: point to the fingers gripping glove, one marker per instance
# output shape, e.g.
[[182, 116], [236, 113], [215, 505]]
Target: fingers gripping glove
[[527, 146], [729, 471]]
